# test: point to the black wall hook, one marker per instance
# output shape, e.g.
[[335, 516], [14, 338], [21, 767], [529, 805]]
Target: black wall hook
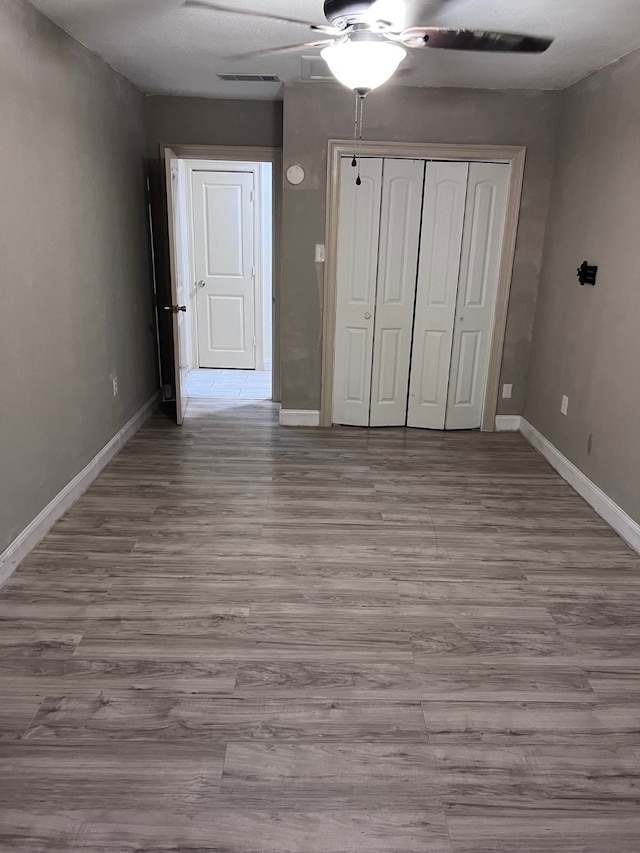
[[587, 274]]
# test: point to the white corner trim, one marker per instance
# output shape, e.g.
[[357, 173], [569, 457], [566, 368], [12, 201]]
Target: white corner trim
[[44, 521], [299, 417], [508, 423], [606, 508]]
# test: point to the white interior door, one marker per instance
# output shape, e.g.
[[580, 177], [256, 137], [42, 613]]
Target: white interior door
[[479, 272], [402, 185], [225, 265], [356, 275], [179, 281], [439, 268]]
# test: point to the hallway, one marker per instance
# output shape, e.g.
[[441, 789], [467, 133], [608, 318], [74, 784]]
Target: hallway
[[251, 639], [229, 384]]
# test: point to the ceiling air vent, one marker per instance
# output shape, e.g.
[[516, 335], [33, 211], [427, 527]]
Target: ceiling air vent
[[250, 78]]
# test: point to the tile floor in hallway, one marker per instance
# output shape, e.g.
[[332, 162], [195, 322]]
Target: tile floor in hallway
[[252, 639], [229, 384]]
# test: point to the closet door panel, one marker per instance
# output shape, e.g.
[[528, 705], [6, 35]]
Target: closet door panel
[[479, 271], [438, 272], [402, 187], [357, 270]]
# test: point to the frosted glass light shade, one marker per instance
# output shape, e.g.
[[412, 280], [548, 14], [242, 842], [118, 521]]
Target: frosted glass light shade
[[363, 64]]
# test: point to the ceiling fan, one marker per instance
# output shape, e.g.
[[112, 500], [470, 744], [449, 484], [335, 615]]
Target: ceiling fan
[[367, 39]]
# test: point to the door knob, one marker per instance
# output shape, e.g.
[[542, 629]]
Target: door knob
[[201, 283], [175, 309], [367, 316]]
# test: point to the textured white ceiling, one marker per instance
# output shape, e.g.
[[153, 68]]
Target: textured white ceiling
[[164, 48]]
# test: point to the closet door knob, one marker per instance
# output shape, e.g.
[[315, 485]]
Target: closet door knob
[[367, 316]]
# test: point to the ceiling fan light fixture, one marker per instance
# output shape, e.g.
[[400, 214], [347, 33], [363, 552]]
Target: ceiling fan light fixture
[[363, 65]]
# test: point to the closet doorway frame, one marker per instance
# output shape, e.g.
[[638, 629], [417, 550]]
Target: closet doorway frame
[[514, 157]]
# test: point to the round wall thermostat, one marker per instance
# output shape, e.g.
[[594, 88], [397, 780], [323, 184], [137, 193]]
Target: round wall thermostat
[[295, 175]]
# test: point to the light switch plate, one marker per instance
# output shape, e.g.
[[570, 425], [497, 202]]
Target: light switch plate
[[564, 408], [320, 253], [507, 392]]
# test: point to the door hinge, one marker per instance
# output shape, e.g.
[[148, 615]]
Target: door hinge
[[253, 271], [252, 196], [255, 343]]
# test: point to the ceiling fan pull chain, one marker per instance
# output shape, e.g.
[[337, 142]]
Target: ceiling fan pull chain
[[354, 162], [360, 105]]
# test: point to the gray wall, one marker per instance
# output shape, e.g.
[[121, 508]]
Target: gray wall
[[207, 121], [315, 113], [75, 303], [197, 121], [587, 340]]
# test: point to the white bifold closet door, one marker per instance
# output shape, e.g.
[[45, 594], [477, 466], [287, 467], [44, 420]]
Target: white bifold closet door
[[357, 273], [378, 236], [402, 183], [460, 252], [482, 243], [445, 196], [419, 249]]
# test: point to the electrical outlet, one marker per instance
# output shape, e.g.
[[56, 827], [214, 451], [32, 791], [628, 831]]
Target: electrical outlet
[[115, 386], [564, 408], [320, 254], [507, 391]]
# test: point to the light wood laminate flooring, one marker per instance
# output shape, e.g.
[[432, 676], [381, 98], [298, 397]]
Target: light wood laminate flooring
[[250, 639]]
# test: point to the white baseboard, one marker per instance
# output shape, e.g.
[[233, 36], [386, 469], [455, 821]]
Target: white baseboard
[[614, 515], [299, 417], [508, 423], [42, 524]]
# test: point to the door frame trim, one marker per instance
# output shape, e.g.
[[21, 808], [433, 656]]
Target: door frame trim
[[251, 154], [515, 157]]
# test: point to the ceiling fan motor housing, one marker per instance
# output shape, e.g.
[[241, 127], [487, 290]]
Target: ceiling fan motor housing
[[345, 13]]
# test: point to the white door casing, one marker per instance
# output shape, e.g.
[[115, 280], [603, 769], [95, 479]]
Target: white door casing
[[225, 261], [183, 270], [402, 186], [438, 271], [486, 207], [356, 272], [179, 282]]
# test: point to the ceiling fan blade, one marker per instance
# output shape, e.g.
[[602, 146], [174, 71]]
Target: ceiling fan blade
[[330, 31], [216, 7], [270, 51], [454, 39]]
